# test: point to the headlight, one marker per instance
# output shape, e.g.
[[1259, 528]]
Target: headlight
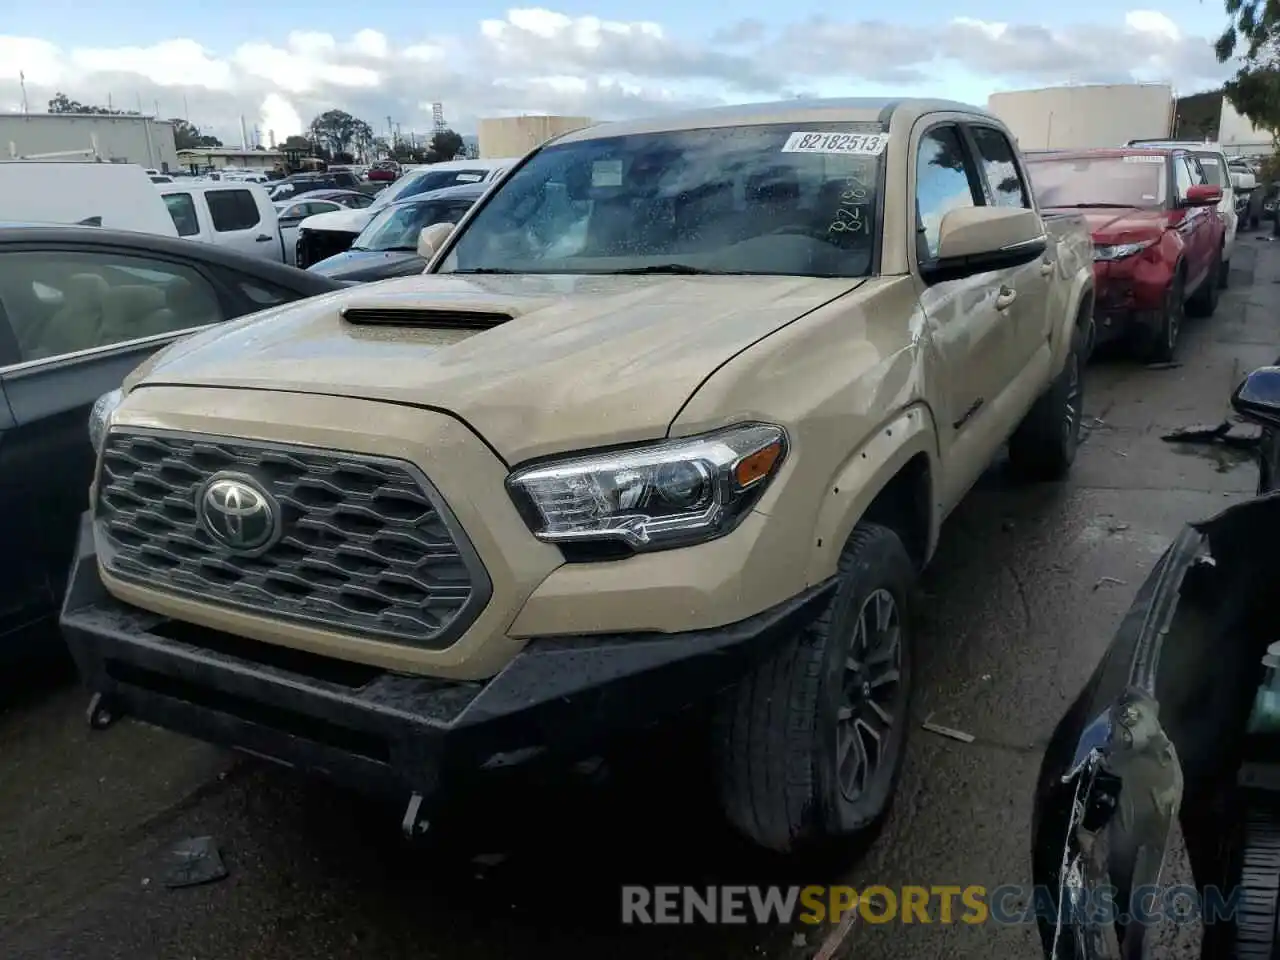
[[1120, 250], [654, 497], [100, 416]]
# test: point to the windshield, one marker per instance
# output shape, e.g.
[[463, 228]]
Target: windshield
[[1134, 181], [758, 200], [398, 227], [411, 185]]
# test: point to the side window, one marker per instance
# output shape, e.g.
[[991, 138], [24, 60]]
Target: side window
[[1182, 173], [457, 211], [62, 302], [996, 156], [183, 210], [1215, 174], [943, 184], [232, 210]]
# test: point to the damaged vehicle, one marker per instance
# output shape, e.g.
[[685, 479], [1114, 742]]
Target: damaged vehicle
[[672, 420], [1178, 727]]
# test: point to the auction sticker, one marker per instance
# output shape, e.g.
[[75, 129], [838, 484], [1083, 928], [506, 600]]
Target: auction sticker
[[606, 173], [1209, 161], [857, 144], [1143, 158]]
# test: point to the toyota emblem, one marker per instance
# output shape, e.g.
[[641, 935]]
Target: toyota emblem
[[238, 513]]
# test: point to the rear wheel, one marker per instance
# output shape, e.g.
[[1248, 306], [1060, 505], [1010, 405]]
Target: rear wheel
[[809, 746], [1159, 345], [1044, 445]]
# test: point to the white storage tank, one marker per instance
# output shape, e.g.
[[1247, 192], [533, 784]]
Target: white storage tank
[[1080, 117], [516, 136]]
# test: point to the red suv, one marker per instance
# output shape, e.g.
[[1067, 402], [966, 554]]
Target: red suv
[[1157, 237]]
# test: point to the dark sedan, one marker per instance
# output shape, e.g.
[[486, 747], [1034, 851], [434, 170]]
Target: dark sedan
[[354, 199], [80, 307], [388, 246]]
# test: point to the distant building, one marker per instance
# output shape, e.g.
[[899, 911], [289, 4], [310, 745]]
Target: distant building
[[516, 136], [219, 158], [118, 138]]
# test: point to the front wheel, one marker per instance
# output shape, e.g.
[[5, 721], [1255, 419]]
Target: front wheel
[[1159, 344], [809, 746], [1044, 445]]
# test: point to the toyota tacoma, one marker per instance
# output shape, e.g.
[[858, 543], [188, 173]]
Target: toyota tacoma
[[671, 420]]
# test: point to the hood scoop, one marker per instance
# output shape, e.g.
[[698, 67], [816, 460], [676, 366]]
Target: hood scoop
[[430, 318]]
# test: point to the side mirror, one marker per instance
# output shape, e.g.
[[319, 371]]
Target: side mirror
[[1257, 399], [432, 238], [1202, 195], [975, 240]]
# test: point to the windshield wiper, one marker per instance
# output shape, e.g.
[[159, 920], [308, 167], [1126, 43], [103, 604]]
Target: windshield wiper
[[674, 269], [487, 270], [1081, 206]]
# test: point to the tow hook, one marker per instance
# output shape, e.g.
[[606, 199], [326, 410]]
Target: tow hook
[[101, 713], [414, 823]]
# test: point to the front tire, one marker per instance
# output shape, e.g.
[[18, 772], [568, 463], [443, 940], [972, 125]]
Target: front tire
[[1160, 344], [810, 745], [1045, 443]]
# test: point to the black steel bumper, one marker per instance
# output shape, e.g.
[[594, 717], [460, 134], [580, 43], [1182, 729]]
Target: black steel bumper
[[390, 733]]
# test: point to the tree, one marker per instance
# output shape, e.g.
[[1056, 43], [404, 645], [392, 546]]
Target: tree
[[336, 131], [61, 103], [187, 136], [445, 145], [1255, 89]]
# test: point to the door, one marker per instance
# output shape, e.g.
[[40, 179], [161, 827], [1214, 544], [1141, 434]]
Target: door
[[1197, 241], [78, 321], [967, 319], [1006, 185], [239, 224]]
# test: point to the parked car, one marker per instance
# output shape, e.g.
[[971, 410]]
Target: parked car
[[80, 307], [289, 187], [351, 199], [388, 246], [1180, 721], [385, 171], [290, 213], [117, 196], [1218, 173], [1159, 243], [239, 216], [332, 233], [555, 490]]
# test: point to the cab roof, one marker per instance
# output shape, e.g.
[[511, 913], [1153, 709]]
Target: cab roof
[[878, 110]]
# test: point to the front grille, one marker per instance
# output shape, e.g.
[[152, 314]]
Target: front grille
[[316, 245], [366, 545]]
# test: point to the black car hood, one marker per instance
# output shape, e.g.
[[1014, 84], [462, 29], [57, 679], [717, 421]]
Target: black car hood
[[368, 265]]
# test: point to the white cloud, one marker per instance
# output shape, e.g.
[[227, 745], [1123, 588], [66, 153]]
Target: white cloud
[[539, 60]]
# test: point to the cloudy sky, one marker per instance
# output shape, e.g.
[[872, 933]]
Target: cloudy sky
[[279, 62]]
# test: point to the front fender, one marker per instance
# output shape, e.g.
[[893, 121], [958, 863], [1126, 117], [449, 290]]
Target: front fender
[[860, 479]]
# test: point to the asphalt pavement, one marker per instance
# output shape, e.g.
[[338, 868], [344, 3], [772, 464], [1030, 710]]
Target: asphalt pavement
[[1027, 587]]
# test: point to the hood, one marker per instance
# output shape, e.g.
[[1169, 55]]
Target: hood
[[339, 221], [1110, 225], [584, 361], [366, 265]]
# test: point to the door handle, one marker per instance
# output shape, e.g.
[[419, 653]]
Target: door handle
[[1046, 267], [262, 238], [1006, 298]]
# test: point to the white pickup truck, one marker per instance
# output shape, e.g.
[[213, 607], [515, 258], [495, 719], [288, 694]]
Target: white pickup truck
[[236, 215]]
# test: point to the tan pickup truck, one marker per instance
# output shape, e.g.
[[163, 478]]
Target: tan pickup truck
[[672, 419]]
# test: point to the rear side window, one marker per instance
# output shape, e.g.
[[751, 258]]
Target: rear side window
[[995, 156], [183, 210], [232, 210]]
